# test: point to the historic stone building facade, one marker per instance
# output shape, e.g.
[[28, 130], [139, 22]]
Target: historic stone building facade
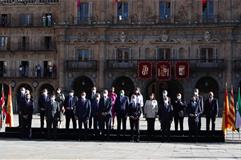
[[79, 44]]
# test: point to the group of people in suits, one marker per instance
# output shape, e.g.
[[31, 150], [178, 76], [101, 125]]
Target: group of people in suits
[[99, 111]]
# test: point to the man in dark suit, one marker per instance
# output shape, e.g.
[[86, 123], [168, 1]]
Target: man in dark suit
[[92, 99], [105, 112], [95, 112], [52, 113], [165, 112], [211, 111], [42, 103], [69, 108], [121, 106], [194, 111], [199, 100], [21, 102], [83, 111], [134, 113], [26, 113], [179, 107]]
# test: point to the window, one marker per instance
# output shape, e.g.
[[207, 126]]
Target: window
[[163, 53], [181, 54], [2, 68], [3, 42], [26, 20], [83, 12], [165, 10], [122, 11], [149, 54], [207, 55], [123, 54], [207, 9], [24, 43], [24, 69], [83, 54], [47, 20], [47, 42], [4, 20]]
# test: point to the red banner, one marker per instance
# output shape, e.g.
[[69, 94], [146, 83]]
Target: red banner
[[145, 70], [182, 70], [163, 71]]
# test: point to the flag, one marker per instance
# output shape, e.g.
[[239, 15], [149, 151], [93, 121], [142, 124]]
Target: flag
[[9, 118], [78, 3], [231, 115], [225, 124], [2, 110], [204, 4], [238, 111], [116, 1]]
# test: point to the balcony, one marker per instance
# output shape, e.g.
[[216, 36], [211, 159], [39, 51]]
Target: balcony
[[121, 65], [210, 19], [195, 64], [29, 74], [236, 65], [207, 65], [75, 65], [83, 20], [27, 1]]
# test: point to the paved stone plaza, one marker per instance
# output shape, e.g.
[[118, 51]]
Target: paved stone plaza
[[16, 149]]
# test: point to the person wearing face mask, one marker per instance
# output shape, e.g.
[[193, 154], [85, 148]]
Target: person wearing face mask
[[95, 112], [42, 103], [165, 114], [194, 112], [200, 103], [105, 113], [139, 98], [211, 111], [52, 112], [69, 107], [134, 113], [60, 99], [27, 112], [121, 105], [112, 95], [92, 99], [83, 111], [179, 112], [20, 102], [150, 112]]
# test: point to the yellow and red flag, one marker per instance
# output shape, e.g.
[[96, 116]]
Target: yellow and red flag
[[225, 124], [231, 115], [9, 118]]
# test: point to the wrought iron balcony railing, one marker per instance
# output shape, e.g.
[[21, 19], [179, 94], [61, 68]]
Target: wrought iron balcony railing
[[75, 65]]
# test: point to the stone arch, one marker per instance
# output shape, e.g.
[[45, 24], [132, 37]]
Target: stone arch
[[125, 83], [82, 83]]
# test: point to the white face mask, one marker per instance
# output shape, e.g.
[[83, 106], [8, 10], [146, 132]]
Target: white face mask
[[83, 97], [58, 91], [179, 97], [196, 93], [52, 99]]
